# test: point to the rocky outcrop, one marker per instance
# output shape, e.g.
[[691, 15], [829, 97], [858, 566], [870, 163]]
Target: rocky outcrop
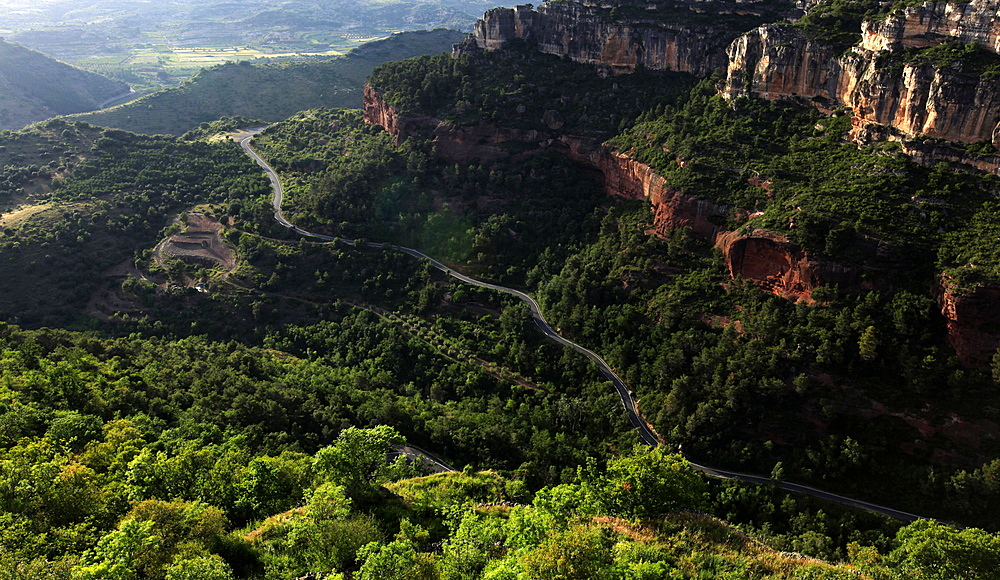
[[932, 23], [623, 38], [770, 261], [929, 153], [378, 111], [623, 176], [453, 143], [776, 61], [873, 81], [781, 266], [973, 321]]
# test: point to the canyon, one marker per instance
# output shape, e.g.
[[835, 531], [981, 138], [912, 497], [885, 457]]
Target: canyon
[[890, 95], [771, 261], [924, 106]]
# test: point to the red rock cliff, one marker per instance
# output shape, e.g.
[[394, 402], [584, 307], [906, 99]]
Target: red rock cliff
[[973, 321], [771, 261], [625, 177]]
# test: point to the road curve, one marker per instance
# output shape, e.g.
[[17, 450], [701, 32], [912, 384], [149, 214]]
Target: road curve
[[131, 92], [628, 401]]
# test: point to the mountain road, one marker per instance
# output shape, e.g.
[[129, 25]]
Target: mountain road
[[628, 400]]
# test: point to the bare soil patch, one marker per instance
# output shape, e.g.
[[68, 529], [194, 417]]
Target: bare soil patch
[[199, 241]]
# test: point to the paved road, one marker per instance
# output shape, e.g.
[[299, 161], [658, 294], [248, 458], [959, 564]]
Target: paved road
[[414, 452], [131, 93], [811, 491], [628, 401]]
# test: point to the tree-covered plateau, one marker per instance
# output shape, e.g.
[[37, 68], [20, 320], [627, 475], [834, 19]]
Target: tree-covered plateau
[[226, 423]]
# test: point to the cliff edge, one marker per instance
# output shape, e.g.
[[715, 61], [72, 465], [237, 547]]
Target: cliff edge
[[929, 71], [685, 36]]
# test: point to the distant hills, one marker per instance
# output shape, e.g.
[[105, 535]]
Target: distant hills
[[269, 91], [34, 87], [158, 45]]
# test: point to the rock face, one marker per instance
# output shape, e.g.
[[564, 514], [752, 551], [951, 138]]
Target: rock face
[[378, 112], [973, 321], [892, 100], [772, 262], [621, 39], [888, 98], [916, 99], [933, 22], [623, 176]]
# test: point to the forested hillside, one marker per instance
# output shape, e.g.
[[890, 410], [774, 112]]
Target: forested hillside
[[81, 200], [98, 432], [34, 87], [268, 92], [834, 388], [189, 389]]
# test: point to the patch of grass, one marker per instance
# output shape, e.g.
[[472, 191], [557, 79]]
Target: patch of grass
[[456, 487], [969, 58]]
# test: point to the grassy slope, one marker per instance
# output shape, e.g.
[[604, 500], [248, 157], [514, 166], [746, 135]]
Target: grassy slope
[[269, 92], [34, 87]]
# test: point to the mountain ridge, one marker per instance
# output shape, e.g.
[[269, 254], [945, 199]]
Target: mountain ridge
[[269, 91], [35, 87], [905, 79]]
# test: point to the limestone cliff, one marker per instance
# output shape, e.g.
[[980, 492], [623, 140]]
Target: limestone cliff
[[934, 22], [892, 97], [629, 36], [875, 80]]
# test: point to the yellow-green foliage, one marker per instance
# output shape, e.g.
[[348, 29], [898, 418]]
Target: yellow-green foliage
[[455, 487], [527, 543]]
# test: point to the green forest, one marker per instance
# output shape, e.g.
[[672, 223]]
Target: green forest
[[267, 91], [174, 416]]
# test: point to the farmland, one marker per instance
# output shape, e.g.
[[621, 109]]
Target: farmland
[[152, 47]]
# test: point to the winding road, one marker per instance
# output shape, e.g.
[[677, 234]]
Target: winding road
[[628, 400], [131, 93]]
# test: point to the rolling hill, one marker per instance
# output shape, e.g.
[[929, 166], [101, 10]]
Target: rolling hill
[[34, 87], [271, 91]]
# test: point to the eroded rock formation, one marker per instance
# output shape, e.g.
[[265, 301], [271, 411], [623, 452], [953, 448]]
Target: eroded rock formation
[[771, 261], [872, 80], [973, 321], [888, 97], [631, 35], [935, 22], [379, 112], [891, 99]]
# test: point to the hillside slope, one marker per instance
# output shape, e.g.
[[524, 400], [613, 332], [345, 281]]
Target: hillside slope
[[34, 87], [271, 91]]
